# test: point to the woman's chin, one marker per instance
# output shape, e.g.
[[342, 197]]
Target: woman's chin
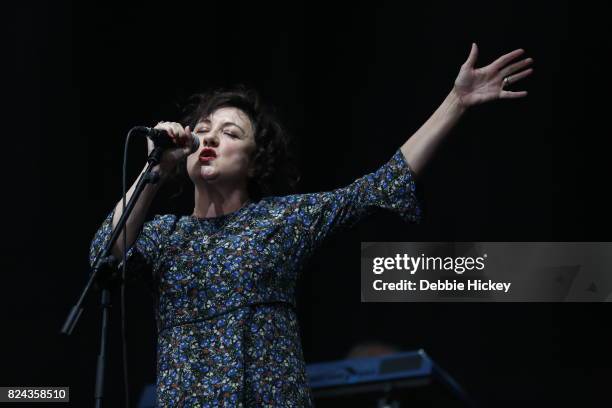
[[208, 173]]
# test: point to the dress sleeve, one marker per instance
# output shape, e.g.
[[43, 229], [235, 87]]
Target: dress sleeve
[[145, 251], [391, 187]]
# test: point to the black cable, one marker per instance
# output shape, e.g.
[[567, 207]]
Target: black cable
[[126, 387]]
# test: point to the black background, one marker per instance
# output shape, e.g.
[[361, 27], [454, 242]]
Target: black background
[[351, 82]]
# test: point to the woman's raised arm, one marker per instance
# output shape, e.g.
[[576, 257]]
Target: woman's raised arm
[[473, 86]]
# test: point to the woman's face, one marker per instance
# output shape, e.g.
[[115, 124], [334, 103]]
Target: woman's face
[[227, 142]]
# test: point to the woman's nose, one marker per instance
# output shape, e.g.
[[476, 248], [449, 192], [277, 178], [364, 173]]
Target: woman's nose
[[210, 139]]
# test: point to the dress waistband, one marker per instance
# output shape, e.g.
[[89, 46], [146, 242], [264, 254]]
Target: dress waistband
[[226, 311]]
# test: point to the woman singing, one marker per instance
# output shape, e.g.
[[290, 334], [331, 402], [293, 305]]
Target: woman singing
[[225, 276]]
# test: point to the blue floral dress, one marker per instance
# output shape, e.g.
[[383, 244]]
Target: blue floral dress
[[228, 335]]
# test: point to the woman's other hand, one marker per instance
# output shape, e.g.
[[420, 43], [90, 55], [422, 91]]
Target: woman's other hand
[[474, 86]]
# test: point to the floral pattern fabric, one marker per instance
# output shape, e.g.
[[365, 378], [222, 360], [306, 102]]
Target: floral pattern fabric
[[225, 287]]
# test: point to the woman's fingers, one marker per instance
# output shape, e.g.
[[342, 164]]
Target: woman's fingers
[[184, 137], [512, 79], [167, 127], [505, 59], [469, 63], [188, 138], [517, 77], [181, 136], [177, 131], [512, 95], [516, 66]]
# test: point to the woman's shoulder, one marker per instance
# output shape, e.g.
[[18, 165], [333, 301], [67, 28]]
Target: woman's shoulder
[[280, 202], [164, 218], [287, 204], [162, 221]]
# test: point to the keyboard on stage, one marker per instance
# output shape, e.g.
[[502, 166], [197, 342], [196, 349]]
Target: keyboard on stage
[[406, 379]]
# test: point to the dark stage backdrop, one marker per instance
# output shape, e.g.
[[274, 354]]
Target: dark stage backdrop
[[351, 82]]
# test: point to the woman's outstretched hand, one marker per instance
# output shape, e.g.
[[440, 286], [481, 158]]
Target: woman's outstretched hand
[[478, 85]]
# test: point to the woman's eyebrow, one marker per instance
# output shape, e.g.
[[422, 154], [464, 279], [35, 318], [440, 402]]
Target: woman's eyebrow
[[207, 122], [232, 123]]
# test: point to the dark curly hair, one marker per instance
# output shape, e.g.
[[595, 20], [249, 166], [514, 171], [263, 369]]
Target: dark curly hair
[[275, 171]]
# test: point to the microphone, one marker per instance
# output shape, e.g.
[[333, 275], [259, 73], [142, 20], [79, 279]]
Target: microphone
[[162, 139]]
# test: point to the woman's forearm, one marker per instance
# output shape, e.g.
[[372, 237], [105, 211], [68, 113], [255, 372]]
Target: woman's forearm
[[137, 216], [421, 146]]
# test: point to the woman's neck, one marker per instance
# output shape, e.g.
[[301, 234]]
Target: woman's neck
[[211, 201]]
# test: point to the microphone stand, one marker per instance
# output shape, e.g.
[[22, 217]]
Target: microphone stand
[[105, 272]]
